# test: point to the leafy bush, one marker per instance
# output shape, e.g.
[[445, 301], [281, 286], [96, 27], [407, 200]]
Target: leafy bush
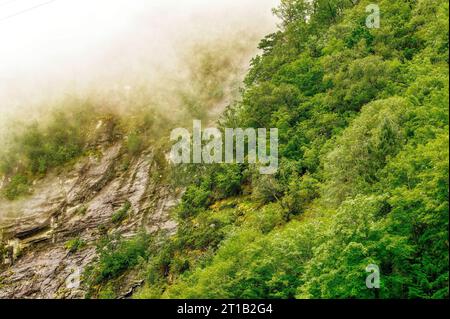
[[117, 255], [19, 185], [195, 199], [75, 244], [228, 181], [267, 189], [38, 147], [121, 214], [134, 143], [300, 193]]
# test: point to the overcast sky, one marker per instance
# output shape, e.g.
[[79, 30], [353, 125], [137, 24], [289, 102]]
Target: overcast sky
[[49, 45]]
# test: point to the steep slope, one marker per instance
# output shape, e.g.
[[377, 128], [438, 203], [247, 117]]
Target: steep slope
[[362, 114], [362, 183], [86, 193], [78, 206]]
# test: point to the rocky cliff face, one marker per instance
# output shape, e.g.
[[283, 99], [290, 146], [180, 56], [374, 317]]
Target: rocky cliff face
[[78, 204]]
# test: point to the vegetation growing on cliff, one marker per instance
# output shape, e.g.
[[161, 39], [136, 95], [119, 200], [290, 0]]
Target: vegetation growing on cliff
[[364, 163], [363, 179], [76, 126]]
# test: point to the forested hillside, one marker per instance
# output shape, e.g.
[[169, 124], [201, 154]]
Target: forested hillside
[[363, 179], [363, 124]]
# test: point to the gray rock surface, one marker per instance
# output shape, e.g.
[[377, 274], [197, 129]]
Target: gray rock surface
[[77, 203]]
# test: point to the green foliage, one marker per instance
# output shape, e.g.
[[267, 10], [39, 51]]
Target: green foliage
[[195, 199], [337, 268], [116, 256], [75, 244], [121, 214], [19, 185], [134, 143], [266, 189], [107, 293], [300, 193], [228, 181], [61, 141], [82, 210], [39, 147], [364, 163], [249, 265], [419, 181], [364, 147]]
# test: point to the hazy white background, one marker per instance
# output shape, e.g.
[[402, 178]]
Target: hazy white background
[[68, 45]]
